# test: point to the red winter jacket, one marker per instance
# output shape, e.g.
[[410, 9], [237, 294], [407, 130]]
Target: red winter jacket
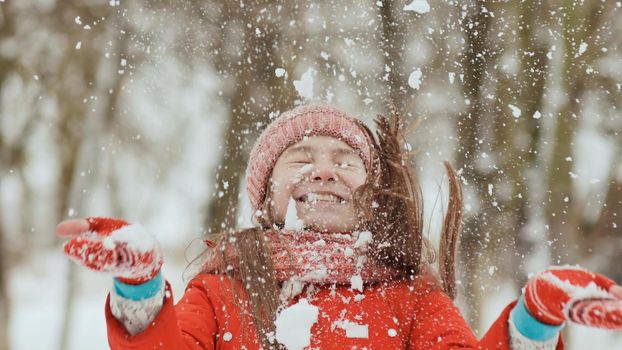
[[400, 315]]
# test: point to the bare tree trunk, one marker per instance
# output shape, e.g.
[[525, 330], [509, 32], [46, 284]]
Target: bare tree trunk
[[392, 44], [474, 61], [516, 139], [255, 82], [222, 209], [82, 146], [11, 156], [532, 81], [563, 214], [7, 29]]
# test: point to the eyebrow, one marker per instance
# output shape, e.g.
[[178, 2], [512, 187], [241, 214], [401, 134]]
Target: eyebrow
[[307, 149]]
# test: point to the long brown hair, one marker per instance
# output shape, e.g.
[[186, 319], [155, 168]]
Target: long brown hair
[[389, 204]]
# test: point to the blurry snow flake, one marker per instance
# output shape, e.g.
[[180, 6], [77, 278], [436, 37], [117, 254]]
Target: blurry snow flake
[[293, 325], [78, 45], [348, 252], [329, 96], [363, 240], [379, 3], [452, 75], [353, 330], [357, 282], [108, 243], [71, 213], [414, 80], [227, 336], [114, 2], [516, 112], [419, 6], [549, 54], [279, 72], [582, 49], [537, 115], [304, 86], [291, 288], [392, 332], [77, 20]]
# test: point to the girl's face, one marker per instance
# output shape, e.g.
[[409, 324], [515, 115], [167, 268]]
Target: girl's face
[[321, 174]]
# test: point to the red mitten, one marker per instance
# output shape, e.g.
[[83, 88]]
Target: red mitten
[[570, 293], [113, 246]]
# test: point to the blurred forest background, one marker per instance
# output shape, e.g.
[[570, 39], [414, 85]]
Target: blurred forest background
[[147, 110]]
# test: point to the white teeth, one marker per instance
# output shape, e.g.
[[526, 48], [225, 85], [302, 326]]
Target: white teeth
[[313, 197], [327, 198]]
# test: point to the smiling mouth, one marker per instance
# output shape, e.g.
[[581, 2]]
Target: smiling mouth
[[314, 197]]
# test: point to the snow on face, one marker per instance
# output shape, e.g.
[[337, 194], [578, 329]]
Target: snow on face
[[314, 181], [293, 325], [292, 221]]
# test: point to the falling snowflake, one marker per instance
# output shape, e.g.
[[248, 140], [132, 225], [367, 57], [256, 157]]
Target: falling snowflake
[[419, 6]]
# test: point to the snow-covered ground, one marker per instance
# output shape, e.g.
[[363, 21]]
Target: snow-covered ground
[[37, 289]]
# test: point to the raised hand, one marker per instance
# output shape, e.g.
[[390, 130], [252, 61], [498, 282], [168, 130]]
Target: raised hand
[[113, 246], [570, 293]]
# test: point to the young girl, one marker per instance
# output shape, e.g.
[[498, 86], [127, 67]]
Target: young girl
[[337, 260]]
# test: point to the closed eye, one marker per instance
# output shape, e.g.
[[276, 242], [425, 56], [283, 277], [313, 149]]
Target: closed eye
[[349, 165]]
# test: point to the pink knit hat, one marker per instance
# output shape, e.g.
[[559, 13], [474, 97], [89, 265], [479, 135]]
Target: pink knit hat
[[291, 127]]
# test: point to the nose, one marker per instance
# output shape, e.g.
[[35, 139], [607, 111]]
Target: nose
[[324, 173]]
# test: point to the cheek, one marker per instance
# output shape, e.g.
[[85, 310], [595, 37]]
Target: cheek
[[356, 180], [281, 190], [282, 182]]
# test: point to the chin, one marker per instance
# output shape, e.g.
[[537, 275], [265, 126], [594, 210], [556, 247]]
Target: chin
[[323, 226]]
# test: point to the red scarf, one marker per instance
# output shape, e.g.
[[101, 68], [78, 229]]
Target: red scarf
[[316, 257]]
